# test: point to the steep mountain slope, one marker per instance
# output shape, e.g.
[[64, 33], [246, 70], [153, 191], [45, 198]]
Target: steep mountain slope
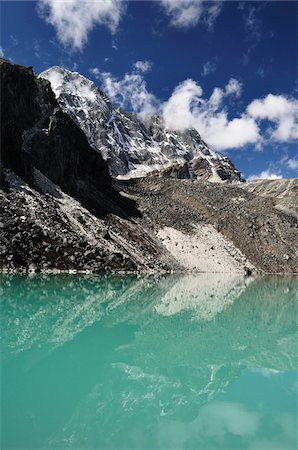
[[185, 216], [60, 209], [131, 147], [35, 132], [284, 192]]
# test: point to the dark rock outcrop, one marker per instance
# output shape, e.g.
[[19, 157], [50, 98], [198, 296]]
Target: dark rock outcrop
[[179, 171], [58, 208], [35, 132], [200, 169], [20, 110], [61, 151]]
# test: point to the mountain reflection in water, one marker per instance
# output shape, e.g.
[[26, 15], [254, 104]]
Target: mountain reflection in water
[[168, 361]]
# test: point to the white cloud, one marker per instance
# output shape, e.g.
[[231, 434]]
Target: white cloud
[[234, 87], [281, 111], [208, 67], [1, 52], [177, 111], [186, 14], [292, 163], [74, 19], [265, 175], [187, 109], [143, 66], [211, 13], [130, 93], [95, 72]]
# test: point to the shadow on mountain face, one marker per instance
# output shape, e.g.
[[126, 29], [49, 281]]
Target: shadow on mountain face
[[36, 133]]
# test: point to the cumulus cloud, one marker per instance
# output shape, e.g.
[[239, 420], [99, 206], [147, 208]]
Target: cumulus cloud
[[186, 14], [74, 19], [281, 111], [186, 108], [276, 115], [178, 111], [1, 52], [264, 175]]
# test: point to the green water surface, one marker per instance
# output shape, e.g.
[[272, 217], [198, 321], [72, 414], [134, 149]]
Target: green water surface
[[157, 362]]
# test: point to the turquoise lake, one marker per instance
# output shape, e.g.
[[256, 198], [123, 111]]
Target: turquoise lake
[[149, 362]]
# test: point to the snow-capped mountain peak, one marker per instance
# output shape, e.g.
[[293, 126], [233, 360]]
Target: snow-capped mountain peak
[[132, 147]]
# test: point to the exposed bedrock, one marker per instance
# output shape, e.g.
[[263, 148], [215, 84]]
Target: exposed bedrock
[[61, 210]]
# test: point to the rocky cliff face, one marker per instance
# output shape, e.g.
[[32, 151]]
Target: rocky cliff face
[[35, 132], [133, 148], [60, 210], [58, 207]]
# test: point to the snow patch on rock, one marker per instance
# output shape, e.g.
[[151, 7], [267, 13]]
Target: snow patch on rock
[[132, 147]]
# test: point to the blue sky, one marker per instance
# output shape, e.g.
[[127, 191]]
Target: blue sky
[[227, 68]]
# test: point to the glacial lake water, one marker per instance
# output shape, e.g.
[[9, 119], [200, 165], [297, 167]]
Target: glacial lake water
[[150, 362]]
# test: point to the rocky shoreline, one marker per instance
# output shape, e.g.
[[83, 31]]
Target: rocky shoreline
[[178, 226]]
